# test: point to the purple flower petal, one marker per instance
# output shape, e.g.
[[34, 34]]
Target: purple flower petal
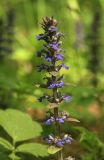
[[54, 46], [59, 56], [52, 29], [56, 84], [49, 59], [60, 143], [49, 141], [40, 36], [58, 34], [49, 121], [60, 119], [67, 139], [66, 98], [64, 66]]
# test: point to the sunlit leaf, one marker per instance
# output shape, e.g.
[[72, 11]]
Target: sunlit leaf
[[53, 149], [34, 149], [19, 125]]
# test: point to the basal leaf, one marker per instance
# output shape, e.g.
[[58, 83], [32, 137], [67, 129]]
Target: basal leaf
[[19, 125], [34, 149], [53, 149], [5, 144]]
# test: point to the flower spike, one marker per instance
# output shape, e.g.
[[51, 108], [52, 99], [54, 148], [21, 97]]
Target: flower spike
[[51, 53]]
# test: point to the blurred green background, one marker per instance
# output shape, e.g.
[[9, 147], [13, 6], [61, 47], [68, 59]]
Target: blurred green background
[[82, 21]]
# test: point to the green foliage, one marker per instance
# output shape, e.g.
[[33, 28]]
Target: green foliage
[[5, 144], [90, 140], [93, 145], [14, 156], [53, 149], [20, 127], [34, 149], [4, 157]]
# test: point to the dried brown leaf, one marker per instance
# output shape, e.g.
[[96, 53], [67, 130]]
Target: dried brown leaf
[[72, 119]]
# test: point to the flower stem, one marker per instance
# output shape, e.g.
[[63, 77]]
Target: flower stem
[[61, 155], [57, 125]]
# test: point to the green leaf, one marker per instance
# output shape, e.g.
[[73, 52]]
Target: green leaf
[[1, 116], [19, 125], [53, 149], [5, 144], [89, 139], [4, 156], [34, 149], [13, 156]]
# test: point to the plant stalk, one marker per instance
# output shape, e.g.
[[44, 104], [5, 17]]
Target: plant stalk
[[57, 125]]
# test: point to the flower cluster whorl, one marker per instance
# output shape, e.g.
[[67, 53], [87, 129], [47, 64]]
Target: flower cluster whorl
[[59, 142], [61, 118]]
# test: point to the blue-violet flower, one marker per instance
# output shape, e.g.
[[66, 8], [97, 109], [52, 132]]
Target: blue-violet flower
[[54, 46], [66, 98], [40, 36], [64, 66], [59, 56], [56, 84], [52, 29]]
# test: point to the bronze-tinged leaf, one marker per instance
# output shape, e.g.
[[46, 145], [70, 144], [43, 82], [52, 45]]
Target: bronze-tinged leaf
[[53, 105], [72, 119]]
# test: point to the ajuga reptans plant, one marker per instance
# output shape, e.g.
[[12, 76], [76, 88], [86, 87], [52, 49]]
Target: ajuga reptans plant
[[53, 57]]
